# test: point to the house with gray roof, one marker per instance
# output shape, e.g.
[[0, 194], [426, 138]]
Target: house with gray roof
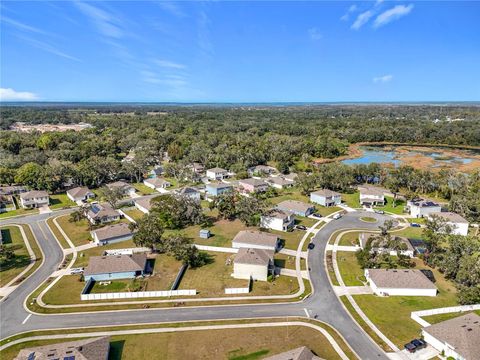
[[279, 182], [115, 267], [300, 353], [256, 240], [457, 224], [34, 199], [190, 192], [371, 195], [143, 204], [125, 189], [157, 184], [111, 234], [252, 185], [296, 207], [420, 207], [400, 282], [101, 214], [80, 193], [255, 264], [326, 197], [278, 220]]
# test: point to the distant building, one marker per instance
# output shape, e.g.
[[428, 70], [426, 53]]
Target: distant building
[[215, 189], [12, 190], [296, 207], [261, 170], [126, 189], [85, 349], [115, 267], [405, 249], [80, 193], [371, 196], [457, 338], [34, 199], [111, 234], [400, 282], [279, 182], [156, 171], [420, 208], [6, 203], [256, 264], [278, 220], [157, 184], [101, 214], [197, 168], [217, 174], [326, 197], [300, 353], [190, 192], [256, 240], [252, 185], [458, 224]]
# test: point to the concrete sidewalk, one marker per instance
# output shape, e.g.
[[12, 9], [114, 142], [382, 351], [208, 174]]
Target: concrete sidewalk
[[352, 290]]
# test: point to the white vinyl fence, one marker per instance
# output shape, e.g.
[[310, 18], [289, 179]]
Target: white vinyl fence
[[140, 294], [417, 315], [216, 248], [244, 290]]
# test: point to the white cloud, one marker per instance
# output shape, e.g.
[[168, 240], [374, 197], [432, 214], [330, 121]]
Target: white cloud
[[8, 94], [48, 48], [169, 64], [394, 13], [22, 26], [314, 34], [172, 8], [350, 10], [383, 78], [106, 24], [362, 19]]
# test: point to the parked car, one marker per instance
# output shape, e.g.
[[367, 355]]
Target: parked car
[[311, 246], [317, 215], [416, 344], [301, 227], [379, 212], [337, 216], [410, 347], [75, 271], [415, 225]]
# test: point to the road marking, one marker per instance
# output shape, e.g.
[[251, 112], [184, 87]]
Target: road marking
[[306, 312], [26, 319]]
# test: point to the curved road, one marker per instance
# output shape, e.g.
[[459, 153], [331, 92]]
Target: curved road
[[323, 302]]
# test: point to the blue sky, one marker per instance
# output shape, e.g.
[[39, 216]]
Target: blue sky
[[240, 51]]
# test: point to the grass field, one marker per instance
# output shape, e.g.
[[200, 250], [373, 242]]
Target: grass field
[[143, 189], [135, 214], [398, 209], [78, 232], [325, 211], [410, 232], [10, 268], [289, 194], [352, 200], [349, 239], [232, 344], [351, 272], [59, 201]]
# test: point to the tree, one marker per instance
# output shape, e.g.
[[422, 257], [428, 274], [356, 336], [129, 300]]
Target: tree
[[306, 183], [29, 174], [111, 195], [226, 205], [386, 227], [76, 216], [177, 212], [148, 233], [6, 253], [7, 176], [250, 209]]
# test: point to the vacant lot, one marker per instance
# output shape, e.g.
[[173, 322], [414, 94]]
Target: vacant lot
[[232, 344], [351, 272], [135, 214], [352, 200], [398, 209], [10, 268], [349, 239], [78, 232], [142, 189], [60, 201]]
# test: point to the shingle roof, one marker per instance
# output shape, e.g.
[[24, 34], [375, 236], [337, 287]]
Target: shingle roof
[[144, 202], [99, 211], [400, 278], [33, 194], [326, 193], [463, 333], [300, 353], [370, 190], [157, 181], [80, 191], [118, 184], [217, 170], [115, 263], [251, 237], [252, 182], [111, 231], [424, 203], [219, 185], [186, 190], [87, 349], [294, 205], [450, 216], [278, 180], [278, 214], [253, 256]]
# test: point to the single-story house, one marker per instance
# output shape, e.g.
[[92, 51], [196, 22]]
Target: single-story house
[[111, 234], [125, 188], [457, 338], [101, 214], [457, 223], [279, 182], [278, 220], [297, 207], [6, 203], [326, 197], [86, 349], [34, 199], [217, 174], [251, 185], [420, 208], [400, 282], [157, 183], [12, 190], [80, 193], [405, 247], [114, 267], [190, 192], [261, 170], [256, 240], [197, 168], [300, 353], [156, 171], [371, 196], [256, 264], [143, 204], [215, 189], [291, 177]]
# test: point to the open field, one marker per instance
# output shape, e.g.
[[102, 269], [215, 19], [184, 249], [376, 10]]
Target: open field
[[410, 232], [233, 344], [398, 209], [135, 214], [349, 239], [351, 272], [10, 268], [352, 200], [60, 201], [143, 189], [78, 232]]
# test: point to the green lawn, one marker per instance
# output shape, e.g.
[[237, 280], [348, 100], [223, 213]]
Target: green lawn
[[143, 189], [410, 232], [57, 233], [352, 200], [289, 194], [78, 232], [325, 211], [291, 239], [308, 222], [135, 214], [10, 268], [368, 219], [60, 201], [285, 261], [398, 209], [349, 239], [349, 269], [19, 211], [114, 286], [442, 317]]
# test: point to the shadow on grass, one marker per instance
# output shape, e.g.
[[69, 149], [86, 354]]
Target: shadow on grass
[[116, 350]]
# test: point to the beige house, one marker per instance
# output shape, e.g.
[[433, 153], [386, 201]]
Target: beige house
[[126, 189], [256, 240], [400, 282], [34, 199], [256, 264], [157, 184]]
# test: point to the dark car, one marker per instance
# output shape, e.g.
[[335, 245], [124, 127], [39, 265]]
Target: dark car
[[311, 246], [419, 344], [410, 347], [316, 215], [415, 225], [301, 227]]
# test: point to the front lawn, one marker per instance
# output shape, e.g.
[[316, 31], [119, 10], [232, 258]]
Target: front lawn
[[398, 209], [19, 211], [410, 232], [143, 189], [10, 268], [352, 200], [289, 194], [78, 232], [291, 239], [60, 201], [134, 213], [351, 272], [284, 261], [325, 211], [349, 239]]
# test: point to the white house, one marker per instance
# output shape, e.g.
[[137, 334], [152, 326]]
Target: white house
[[457, 338], [326, 197], [143, 204], [296, 207], [405, 248], [420, 208], [126, 189], [279, 182], [101, 214], [256, 240], [400, 282], [157, 184], [111, 234], [370, 196], [189, 192], [217, 174], [34, 199], [256, 264], [278, 220], [457, 224], [80, 193]]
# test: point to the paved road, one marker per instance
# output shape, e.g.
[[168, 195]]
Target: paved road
[[322, 302]]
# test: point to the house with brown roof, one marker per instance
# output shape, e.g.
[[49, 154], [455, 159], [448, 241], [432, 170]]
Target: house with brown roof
[[114, 267], [400, 282], [300, 353], [255, 264], [256, 240], [296, 207], [101, 214], [34, 199], [379, 244], [457, 338], [85, 349], [326, 197], [278, 220], [80, 193], [157, 184], [457, 224], [111, 234]]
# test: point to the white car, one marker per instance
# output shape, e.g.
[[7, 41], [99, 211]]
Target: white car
[[74, 271], [337, 216]]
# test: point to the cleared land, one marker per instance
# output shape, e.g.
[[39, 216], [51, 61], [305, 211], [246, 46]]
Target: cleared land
[[135, 214], [351, 272], [78, 232], [10, 268]]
